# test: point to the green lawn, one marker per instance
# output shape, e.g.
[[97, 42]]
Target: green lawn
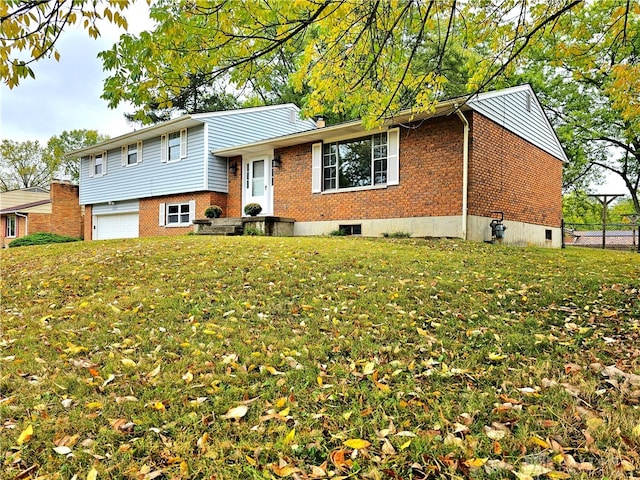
[[256, 357]]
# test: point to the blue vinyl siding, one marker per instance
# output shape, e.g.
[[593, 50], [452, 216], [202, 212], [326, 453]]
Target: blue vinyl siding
[[520, 112], [149, 178], [199, 171], [130, 206], [237, 128]]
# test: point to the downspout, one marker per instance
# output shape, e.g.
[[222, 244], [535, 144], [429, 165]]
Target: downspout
[[26, 223], [465, 171]]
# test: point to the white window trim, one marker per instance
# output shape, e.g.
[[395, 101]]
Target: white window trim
[[163, 215], [92, 164], [124, 154], [15, 226], [393, 167], [164, 147]]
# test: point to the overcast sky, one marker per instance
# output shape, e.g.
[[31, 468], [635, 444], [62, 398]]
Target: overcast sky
[[65, 95]]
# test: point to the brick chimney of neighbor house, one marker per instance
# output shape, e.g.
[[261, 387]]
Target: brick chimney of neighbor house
[[66, 213], [320, 123]]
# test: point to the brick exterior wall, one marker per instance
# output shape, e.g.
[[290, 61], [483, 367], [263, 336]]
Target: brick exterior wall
[[430, 180], [65, 217], [38, 223], [88, 223], [234, 200], [149, 208], [66, 213], [508, 174]]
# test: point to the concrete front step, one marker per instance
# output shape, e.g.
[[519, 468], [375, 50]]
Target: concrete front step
[[219, 226], [220, 230], [266, 225]]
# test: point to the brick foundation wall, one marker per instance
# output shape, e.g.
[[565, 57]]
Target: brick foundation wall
[[149, 208], [430, 180], [88, 223], [66, 213], [508, 174]]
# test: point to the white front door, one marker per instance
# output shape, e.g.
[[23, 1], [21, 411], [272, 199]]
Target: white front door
[[257, 187]]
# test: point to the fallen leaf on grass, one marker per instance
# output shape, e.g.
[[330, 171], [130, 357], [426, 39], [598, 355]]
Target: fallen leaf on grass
[[92, 475], [272, 370], [369, 368], [127, 362], [26, 435], [594, 423], [570, 462], [153, 372], [558, 475], [529, 470], [337, 457], [387, 448], [357, 443], [62, 450], [285, 471], [94, 405], [475, 462], [236, 413], [290, 437], [110, 379], [494, 433], [319, 471]]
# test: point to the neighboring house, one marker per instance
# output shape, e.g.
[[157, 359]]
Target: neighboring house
[[35, 210], [157, 180], [623, 239], [440, 174]]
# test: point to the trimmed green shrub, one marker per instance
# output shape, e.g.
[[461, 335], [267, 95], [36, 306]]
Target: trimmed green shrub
[[252, 209], [41, 239], [214, 211], [396, 235], [253, 231]]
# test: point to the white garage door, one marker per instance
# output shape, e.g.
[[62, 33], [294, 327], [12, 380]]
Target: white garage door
[[123, 225]]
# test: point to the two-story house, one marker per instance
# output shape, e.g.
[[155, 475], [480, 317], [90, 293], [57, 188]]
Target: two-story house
[[451, 172], [156, 180]]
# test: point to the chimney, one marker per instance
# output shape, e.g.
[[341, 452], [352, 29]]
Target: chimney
[[320, 122]]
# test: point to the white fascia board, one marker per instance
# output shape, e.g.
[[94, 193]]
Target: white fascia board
[[236, 111], [146, 133]]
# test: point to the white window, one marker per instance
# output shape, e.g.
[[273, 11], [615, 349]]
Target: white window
[[98, 164], [364, 162], [177, 214], [131, 154], [173, 146], [10, 231]]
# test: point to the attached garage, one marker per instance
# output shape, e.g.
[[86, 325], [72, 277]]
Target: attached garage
[[119, 220]]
